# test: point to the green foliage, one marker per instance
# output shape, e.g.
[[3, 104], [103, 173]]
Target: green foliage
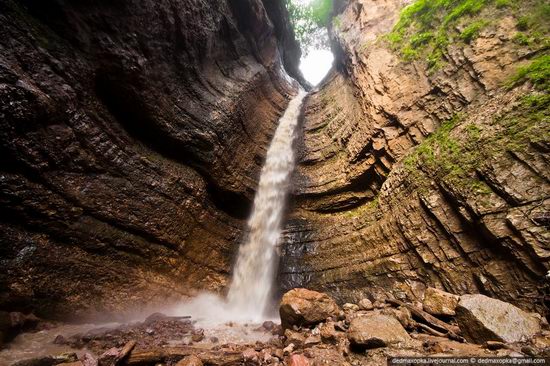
[[501, 4], [309, 22], [523, 23], [521, 39], [537, 72], [472, 30], [455, 158], [427, 27], [427, 24]]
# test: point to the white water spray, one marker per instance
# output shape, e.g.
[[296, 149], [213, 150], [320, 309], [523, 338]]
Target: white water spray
[[254, 273]]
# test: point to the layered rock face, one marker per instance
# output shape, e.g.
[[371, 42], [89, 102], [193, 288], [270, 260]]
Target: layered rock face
[[466, 211], [132, 135]]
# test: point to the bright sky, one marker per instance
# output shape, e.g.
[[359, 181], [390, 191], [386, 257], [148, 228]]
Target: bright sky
[[316, 65]]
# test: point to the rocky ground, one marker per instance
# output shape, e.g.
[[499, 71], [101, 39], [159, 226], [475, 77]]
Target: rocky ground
[[317, 331]]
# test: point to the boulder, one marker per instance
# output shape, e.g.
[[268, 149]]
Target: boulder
[[350, 307], [376, 330], [438, 302], [302, 307], [190, 361], [483, 319]]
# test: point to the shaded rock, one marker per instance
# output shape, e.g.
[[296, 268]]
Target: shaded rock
[[312, 340], [376, 331], [402, 314], [305, 307], [482, 319], [438, 302], [197, 335], [365, 304], [190, 361], [328, 333]]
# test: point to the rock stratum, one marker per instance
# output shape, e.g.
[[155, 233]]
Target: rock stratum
[[133, 134]]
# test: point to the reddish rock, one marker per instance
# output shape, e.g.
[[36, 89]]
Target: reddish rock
[[376, 330], [190, 361], [298, 360]]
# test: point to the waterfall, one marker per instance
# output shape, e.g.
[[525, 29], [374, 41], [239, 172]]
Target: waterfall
[[254, 272]]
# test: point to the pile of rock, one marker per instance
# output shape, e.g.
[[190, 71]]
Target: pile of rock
[[443, 325], [316, 331]]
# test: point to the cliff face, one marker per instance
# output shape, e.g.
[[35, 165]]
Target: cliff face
[[379, 207], [132, 135]]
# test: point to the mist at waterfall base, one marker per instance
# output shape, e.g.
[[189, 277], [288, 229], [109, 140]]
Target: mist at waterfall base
[[250, 291]]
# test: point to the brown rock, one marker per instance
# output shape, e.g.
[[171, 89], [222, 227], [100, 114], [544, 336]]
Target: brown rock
[[365, 304], [305, 307], [376, 330], [294, 337], [483, 319], [328, 333], [438, 302], [191, 360]]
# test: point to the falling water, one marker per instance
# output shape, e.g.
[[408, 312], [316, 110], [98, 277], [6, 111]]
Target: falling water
[[254, 271]]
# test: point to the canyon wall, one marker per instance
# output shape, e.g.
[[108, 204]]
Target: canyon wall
[[132, 135], [379, 209]]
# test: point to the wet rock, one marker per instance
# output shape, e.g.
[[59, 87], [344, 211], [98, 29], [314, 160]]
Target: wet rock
[[376, 330], [13, 323], [365, 304], [298, 360], [482, 319], [197, 335], [190, 361], [214, 339], [438, 302], [304, 307]]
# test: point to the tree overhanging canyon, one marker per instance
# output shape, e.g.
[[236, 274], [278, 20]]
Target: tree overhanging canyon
[[133, 134]]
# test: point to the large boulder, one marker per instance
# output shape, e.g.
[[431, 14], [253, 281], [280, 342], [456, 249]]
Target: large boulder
[[305, 307], [482, 319], [376, 330], [438, 302]]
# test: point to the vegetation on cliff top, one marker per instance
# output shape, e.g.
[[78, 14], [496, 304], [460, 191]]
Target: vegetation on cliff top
[[309, 20], [427, 27]]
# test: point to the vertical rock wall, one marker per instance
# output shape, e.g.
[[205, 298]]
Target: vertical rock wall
[[369, 218], [132, 134]]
